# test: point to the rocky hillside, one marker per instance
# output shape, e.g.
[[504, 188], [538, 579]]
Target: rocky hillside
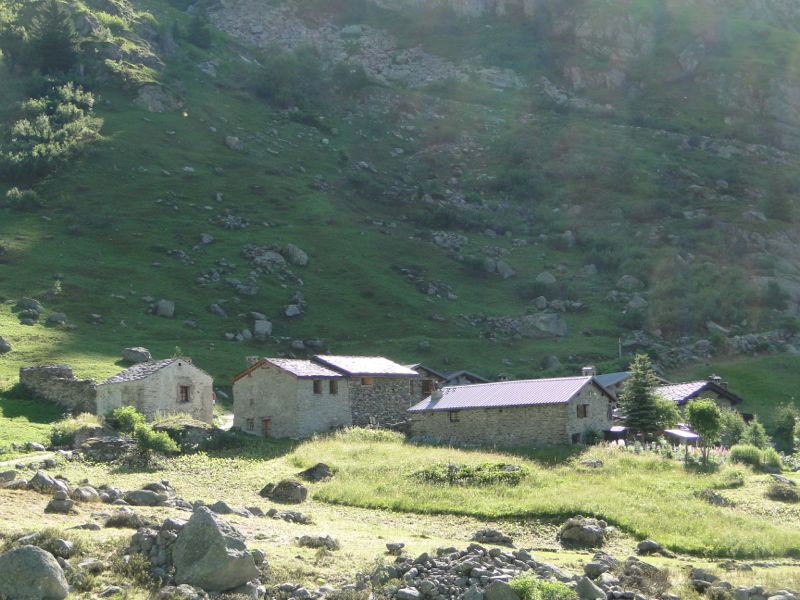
[[505, 186]]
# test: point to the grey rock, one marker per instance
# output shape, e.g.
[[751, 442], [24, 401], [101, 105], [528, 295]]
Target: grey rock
[[45, 484], [223, 508], [546, 278], [7, 476], [319, 472], [408, 593], [648, 547], [784, 480], [63, 548], [318, 541], [234, 143], [637, 303], [293, 310], [211, 554], [592, 463], [504, 270], [30, 304], [137, 355], [492, 536], [629, 283], [588, 590], [30, 573], [216, 309], [57, 318], [5, 347], [286, 491], [583, 532], [295, 255], [262, 329], [60, 505], [144, 498], [165, 308], [395, 548], [499, 590], [543, 325], [85, 493]]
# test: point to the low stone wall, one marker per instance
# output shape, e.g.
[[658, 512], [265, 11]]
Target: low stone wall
[[57, 383]]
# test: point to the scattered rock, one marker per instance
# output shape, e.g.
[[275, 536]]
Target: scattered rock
[[492, 536], [234, 143], [287, 491], [629, 283], [223, 508], [587, 590], [145, 498], [45, 484], [136, 355], [85, 494], [579, 531], [295, 255], [319, 472], [5, 347], [61, 503], [318, 541], [395, 548], [30, 573], [55, 319], [648, 547], [546, 278], [165, 308], [592, 463]]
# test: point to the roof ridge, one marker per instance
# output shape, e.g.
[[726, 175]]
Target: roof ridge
[[474, 385]]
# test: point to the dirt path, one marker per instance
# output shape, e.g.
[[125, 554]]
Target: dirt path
[[28, 458]]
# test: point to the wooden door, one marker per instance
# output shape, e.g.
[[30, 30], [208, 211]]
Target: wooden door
[[267, 423]]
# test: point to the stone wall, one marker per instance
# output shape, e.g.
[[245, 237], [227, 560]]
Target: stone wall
[[57, 383], [598, 417], [384, 401], [291, 405]]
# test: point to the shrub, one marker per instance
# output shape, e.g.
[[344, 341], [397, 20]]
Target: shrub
[[756, 435], [23, 200], [782, 492], [733, 428], [746, 454], [771, 460], [150, 441], [63, 432], [125, 419], [529, 587], [483, 474]]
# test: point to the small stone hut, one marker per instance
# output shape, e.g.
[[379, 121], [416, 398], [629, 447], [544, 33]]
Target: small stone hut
[[279, 397], [168, 386], [531, 412]]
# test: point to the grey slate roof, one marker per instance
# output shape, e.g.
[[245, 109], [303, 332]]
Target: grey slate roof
[[607, 379], [681, 393], [364, 365], [142, 370], [526, 392], [302, 368]]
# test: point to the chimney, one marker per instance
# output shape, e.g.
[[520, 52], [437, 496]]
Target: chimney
[[251, 360], [589, 371], [718, 380], [436, 394]]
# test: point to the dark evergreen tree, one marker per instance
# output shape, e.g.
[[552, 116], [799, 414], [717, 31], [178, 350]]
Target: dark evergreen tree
[[644, 412], [55, 44]]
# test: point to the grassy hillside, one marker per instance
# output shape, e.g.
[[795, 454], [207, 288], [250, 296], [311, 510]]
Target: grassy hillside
[[364, 175]]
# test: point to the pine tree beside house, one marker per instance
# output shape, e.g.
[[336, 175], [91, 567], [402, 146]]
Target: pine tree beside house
[[644, 411]]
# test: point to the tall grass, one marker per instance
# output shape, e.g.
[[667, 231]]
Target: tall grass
[[645, 495]]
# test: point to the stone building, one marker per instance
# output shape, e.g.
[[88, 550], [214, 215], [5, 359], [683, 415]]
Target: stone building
[[168, 386], [278, 397], [380, 390], [713, 387], [57, 383], [530, 412], [433, 380]]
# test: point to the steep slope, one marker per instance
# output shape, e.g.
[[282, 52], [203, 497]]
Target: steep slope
[[482, 188]]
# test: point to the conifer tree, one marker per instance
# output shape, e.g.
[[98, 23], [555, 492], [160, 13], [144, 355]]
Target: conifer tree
[[645, 413], [55, 43]]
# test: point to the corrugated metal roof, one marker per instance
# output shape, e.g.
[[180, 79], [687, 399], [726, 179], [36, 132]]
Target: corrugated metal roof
[[607, 379], [364, 365], [302, 368], [526, 392], [680, 393], [142, 370]]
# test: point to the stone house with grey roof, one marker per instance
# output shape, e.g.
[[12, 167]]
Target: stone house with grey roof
[[157, 387], [713, 388], [279, 397], [532, 412], [286, 398]]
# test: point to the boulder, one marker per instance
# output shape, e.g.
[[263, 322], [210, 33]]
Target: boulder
[[500, 590], [45, 484], [5, 347], [295, 255], [234, 143], [293, 310], [61, 503], [57, 318], [165, 308], [579, 531], [395, 548], [492, 536], [543, 325], [262, 329], [505, 270], [588, 590], [546, 278], [319, 472], [29, 304], [286, 491], [7, 476], [221, 507], [211, 554], [145, 498], [648, 547], [30, 573], [85, 493], [629, 283], [318, 541], [136, 355]]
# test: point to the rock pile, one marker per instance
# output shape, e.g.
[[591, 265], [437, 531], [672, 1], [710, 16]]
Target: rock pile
[[204, 552], [579, 531]]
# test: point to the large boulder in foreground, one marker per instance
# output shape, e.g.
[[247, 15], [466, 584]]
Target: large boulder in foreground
[[211, 554], [30, 573]]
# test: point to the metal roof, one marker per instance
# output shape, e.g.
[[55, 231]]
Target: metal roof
[[607, 379], [364, 365], [302, 368], [143, 370], [681, 393], [526, 392]]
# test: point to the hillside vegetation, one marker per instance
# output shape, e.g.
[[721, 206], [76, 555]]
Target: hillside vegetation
[[510, 194]]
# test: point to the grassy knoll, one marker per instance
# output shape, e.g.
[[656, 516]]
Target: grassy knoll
[[25, 420]]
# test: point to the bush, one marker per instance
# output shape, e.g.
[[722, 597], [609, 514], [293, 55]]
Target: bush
[[529, 587], [23, 200], [771, 460], [63, 432], [782, 492], [747, 455], [125, 419], [483, 474], [150, 441]]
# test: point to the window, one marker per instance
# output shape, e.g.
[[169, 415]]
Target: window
[[367, 380], [250, 424], [454, 416], [183, 394], [583, 411], [333, 386], [576, 438], [427, 387], [317, 386], [413, 387]]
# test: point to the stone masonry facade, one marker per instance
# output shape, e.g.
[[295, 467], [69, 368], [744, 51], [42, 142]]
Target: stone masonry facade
[[537, 425], [57, 383], [384, 401]]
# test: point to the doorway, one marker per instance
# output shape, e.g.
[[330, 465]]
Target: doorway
[[265, 428]]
